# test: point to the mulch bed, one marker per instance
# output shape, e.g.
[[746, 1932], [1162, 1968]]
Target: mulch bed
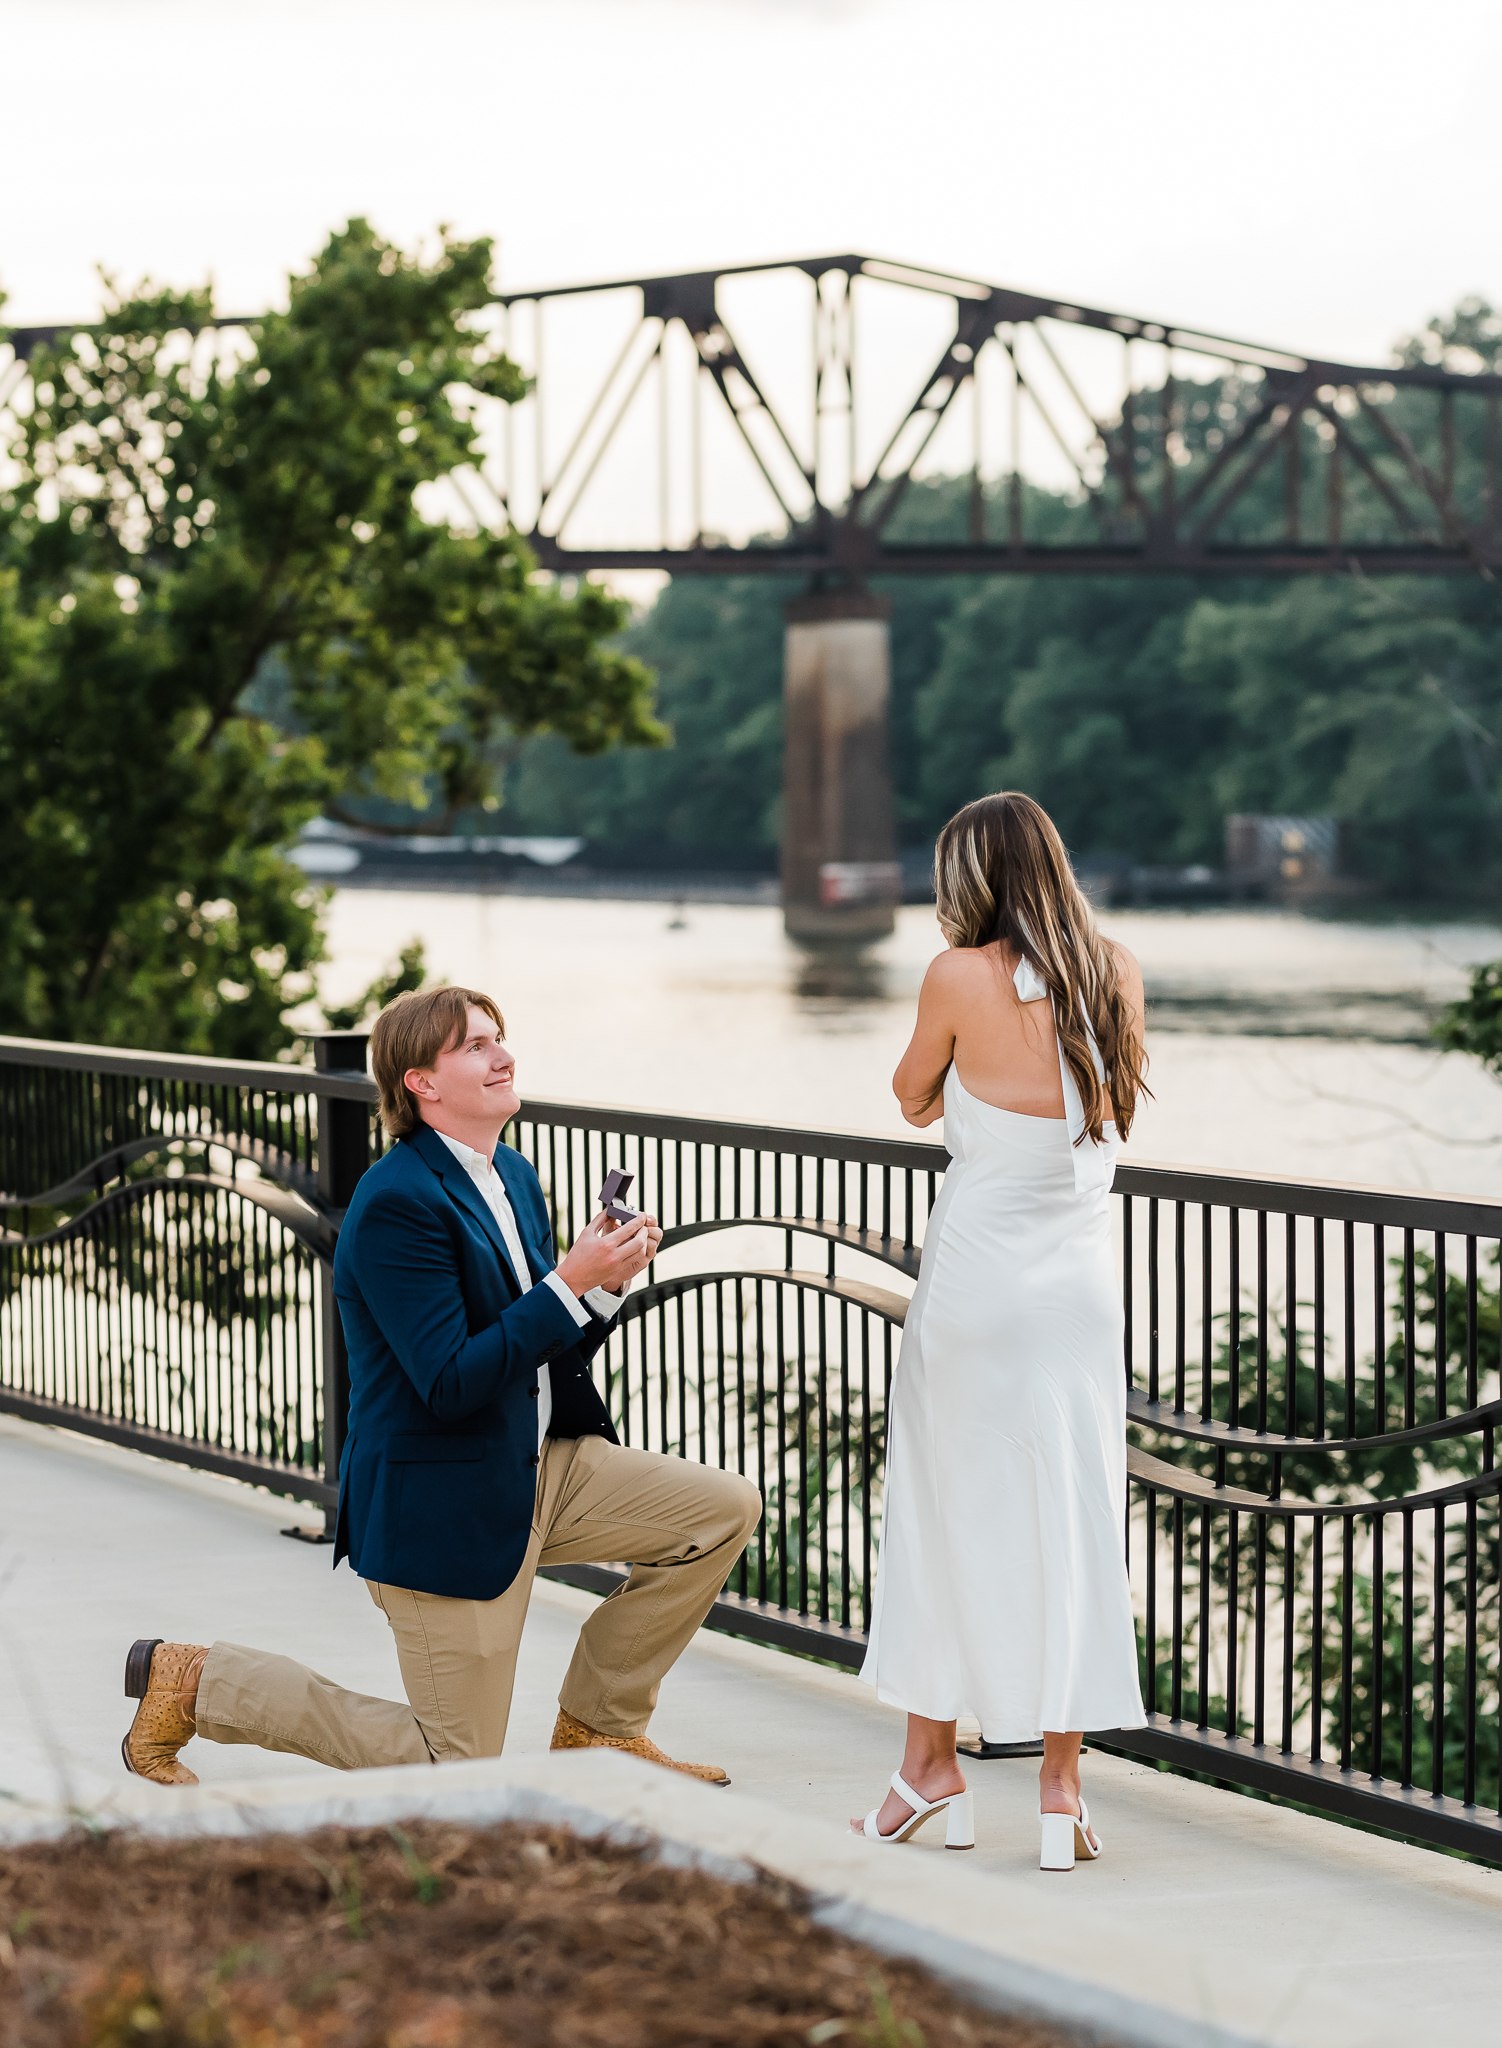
[[439, 1936]]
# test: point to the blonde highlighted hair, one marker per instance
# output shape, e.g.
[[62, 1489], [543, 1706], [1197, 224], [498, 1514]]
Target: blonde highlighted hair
[[1001, 873], [411, 1032]]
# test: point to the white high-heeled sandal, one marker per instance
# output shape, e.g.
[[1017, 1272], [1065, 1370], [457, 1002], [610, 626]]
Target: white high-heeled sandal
[[1065, 1836], [959, 1832]]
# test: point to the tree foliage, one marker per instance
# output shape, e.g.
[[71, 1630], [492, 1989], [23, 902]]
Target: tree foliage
[[1474, 1023], [223, 611], [716, 649]]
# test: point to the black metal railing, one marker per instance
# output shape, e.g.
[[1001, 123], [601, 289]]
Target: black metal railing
[[1313, 1391], [164, 1269]]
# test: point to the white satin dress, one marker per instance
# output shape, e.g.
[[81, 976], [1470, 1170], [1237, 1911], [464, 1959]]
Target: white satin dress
[[1001, 1585]]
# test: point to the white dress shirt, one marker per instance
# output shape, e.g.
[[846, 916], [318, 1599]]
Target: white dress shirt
[[493, 1192]]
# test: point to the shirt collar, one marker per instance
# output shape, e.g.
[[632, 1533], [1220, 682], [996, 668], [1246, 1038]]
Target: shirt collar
[[472, 1161]]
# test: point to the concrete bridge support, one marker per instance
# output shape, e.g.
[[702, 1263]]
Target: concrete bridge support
[[840, 879]]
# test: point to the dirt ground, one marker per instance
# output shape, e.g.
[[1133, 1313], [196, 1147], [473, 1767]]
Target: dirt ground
[[439, 1936]]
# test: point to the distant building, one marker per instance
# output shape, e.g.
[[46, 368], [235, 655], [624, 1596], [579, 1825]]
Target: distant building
[[1285, 856]]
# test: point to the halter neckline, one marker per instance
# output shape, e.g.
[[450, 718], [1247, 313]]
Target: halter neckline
[[1094, 1163]]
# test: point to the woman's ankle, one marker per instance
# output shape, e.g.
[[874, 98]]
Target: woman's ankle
[[934, 1776]]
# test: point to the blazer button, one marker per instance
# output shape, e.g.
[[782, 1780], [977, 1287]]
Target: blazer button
[[534, 1459], [533, 1391]]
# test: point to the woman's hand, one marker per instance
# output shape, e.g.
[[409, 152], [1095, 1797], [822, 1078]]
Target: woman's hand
[[609, 1254]]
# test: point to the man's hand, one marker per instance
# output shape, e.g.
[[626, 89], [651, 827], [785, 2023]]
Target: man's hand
[[610, 1254]]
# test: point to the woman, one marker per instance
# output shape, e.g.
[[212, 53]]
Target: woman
[[1002, 1588]]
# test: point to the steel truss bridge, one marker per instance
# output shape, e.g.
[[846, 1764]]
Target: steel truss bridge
[[1159, 433], [666, 413]]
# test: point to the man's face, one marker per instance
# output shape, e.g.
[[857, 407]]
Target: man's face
[[475, 1081]]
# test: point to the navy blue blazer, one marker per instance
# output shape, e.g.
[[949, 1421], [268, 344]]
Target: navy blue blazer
[[438, 1477]]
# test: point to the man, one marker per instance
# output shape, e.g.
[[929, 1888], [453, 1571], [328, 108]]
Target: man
[[477, 1449]]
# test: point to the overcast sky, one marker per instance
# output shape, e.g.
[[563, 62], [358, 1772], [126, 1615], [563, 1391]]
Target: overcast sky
[[1317, 173]]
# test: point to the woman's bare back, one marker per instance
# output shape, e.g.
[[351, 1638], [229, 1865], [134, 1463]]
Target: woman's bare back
[[1004, 1051]]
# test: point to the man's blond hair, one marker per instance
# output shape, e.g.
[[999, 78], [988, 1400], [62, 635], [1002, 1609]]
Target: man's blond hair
[[411, 1032]]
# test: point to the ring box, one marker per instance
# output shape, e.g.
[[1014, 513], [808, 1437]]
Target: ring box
[[613, 1193]]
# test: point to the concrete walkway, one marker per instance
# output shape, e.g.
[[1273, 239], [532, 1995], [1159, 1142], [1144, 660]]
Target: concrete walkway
[[98, 1546]]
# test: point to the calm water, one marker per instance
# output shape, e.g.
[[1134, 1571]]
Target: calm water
[[1279, 1043]]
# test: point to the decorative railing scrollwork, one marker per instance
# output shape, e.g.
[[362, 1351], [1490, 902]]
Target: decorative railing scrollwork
[[887, 1251], [163, 1241], [269, 1160], [295, 1215]]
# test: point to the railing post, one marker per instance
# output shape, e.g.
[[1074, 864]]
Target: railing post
[[343, 1155]]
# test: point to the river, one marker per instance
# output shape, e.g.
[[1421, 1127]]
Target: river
[[1279, 1042]]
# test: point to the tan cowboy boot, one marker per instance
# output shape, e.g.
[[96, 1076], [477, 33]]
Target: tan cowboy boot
[[571, 1734], [164, 1678]]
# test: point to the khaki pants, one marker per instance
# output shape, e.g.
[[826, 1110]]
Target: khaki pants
[[682, 1527]]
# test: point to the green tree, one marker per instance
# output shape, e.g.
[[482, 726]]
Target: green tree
[[221, 611], [715, 644], [1375, 704], [1474, 1023], [1464, 340], [1075, 692]]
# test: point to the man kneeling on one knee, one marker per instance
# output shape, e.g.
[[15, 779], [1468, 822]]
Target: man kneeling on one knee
[[477, 1450]]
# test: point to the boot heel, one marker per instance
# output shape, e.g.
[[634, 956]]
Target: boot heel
[[1057, 1852], [959, 1830], [138, 1668]]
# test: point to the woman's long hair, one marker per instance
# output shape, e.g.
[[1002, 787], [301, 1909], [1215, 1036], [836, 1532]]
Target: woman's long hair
[[1001, 873]]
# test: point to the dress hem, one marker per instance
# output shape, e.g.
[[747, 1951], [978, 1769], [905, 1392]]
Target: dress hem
[[990, 1732]]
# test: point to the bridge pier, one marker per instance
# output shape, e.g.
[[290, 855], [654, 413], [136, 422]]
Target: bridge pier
[[840, 879]]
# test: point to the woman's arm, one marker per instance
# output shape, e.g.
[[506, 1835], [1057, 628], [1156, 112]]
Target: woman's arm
[[919, 1080]]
